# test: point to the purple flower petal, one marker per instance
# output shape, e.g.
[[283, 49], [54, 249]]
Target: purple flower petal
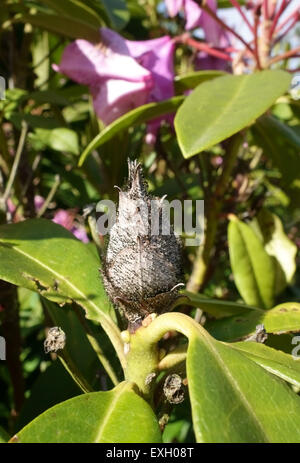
[[65, 218], [91, 64], [114, 98], [173, 7], [80, 233], [117, 81], [193, 14], [38, 202], [157, 56]]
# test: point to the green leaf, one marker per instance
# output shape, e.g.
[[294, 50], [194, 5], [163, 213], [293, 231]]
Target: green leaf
[[4, 437], [253, 268], [281, 144], [61, 25], [51, 387], [59, 139], [284, 318], [221, 107], [45, 257], [135, 117], [34, 121], [81, 356], [116, 416], [215, 307], [192, 79], [276, 362], [234, 399], [117, 12], [277, 244], [55, 97], [76, 10]]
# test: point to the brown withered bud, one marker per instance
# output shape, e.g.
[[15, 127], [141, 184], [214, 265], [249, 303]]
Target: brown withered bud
[[55, 341], [142, 268], [173, 389]]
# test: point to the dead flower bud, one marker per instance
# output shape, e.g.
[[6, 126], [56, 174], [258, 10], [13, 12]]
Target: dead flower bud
[[55, 341], [141, 270], [173, 389]]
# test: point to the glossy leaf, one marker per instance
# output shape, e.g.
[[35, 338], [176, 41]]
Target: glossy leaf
[[136, 116], [284, 318], [44, 257], [277, 244], [276, 362], [77, 10], [61, 25], [218, 308], [117, 12], [82, 359], [219, 108], [51, 387], [192, 79], [252, 267], [281, 144], [59, 139], [235, 400], [116, 416], [4, 437]]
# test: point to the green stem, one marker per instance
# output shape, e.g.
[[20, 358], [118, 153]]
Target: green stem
[[143, 357], [49, 197], [74, 372], [201, 264], [173, 359], [15, 163], [95, 345]]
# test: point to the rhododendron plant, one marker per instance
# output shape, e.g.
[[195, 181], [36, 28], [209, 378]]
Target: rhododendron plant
[[149, 224]]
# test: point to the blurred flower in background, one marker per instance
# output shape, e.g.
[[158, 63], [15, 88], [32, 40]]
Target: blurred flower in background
[[121, 74], [194, 16], [66, 218], [116, 81], [157, 56]]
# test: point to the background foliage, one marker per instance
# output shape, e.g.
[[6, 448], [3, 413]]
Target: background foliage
[[234, 142]]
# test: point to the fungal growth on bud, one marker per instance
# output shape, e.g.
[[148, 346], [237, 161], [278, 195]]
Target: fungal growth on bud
[[142, 269], [55, 341]]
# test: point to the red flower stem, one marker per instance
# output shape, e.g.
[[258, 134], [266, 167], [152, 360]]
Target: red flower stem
[[266, 9], [286, 55], [294, 14], [224, 26], [238, 7], [203, 47], [256, 48], [281, 9], [283, 34]]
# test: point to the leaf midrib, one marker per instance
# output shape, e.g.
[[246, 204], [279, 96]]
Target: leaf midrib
[[66, 281], [226, 107], [261, 298], [235, 385], [112, 406]]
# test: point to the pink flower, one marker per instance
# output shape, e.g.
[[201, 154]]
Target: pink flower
[[157, 56], [38, 202], [116, 81], [194, 15], [66, 219], [121, 74]]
